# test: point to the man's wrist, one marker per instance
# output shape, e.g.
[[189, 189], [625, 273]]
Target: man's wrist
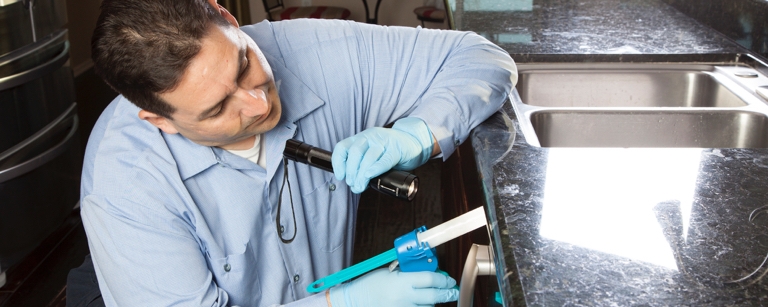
[[419, 130]]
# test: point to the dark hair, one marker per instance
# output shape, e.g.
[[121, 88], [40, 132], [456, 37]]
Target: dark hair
[[142, 47]]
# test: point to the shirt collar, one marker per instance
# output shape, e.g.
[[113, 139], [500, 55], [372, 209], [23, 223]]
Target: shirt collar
[[297, 98], [191, 158]]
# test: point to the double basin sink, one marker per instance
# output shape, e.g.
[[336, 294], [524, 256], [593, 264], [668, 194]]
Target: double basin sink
[[642, 105]]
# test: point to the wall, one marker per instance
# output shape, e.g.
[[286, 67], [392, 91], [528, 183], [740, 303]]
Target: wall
[[391, 12], [81, 15]]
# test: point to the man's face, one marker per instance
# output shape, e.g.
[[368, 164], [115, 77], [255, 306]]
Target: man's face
[[226, 96]]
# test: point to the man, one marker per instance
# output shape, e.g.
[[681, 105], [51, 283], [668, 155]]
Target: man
[[183, 197]]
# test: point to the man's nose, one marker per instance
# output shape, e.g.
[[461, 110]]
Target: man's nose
[[254, 102]]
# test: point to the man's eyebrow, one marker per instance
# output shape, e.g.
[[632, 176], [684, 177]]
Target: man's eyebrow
[[240, 58]]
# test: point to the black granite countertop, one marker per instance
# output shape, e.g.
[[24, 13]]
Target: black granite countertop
[[616, 226], [592, 30]]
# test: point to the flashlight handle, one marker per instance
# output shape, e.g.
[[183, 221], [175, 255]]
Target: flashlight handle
[[393, 183]]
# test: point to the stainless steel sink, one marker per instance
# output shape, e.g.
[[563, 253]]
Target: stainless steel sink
[[641, 105], [695, 128], [625, 88]]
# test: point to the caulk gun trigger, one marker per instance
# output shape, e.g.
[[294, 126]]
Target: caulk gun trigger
[[393, 265]]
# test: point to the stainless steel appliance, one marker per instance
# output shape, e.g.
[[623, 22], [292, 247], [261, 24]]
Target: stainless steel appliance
[[40, 155]]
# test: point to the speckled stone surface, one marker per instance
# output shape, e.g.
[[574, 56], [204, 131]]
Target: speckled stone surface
[[618, 226], [623, 227], [592, 30], [743, 21]]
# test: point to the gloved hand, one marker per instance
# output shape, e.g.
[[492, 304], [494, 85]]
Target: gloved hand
[[382, 288], [359, 158]]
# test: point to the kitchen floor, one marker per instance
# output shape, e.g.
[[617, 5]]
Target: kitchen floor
[[40, 279]]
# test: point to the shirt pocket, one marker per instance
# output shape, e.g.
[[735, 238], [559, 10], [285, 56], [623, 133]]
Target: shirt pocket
[[327, 216], [237, 275]]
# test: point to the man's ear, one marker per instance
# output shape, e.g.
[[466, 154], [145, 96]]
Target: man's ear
[[158, 121], [227, 15]]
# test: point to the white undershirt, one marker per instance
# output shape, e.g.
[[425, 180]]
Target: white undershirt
[[254, 154]]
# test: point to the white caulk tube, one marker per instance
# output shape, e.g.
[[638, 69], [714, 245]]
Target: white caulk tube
[[454, 228]]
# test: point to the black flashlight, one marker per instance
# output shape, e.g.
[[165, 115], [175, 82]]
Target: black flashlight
[[400, 184]]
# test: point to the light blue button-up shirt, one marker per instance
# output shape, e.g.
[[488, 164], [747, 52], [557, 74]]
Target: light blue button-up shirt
[[171, 222]]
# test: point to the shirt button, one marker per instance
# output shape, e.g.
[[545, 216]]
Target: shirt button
[[227, 267], [332, 187], [282, 229], [457, 142], [296, 278]]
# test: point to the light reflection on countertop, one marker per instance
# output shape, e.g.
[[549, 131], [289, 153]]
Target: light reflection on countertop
[[603, 199]]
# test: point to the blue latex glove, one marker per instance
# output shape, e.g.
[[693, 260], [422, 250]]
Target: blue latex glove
[[368, 154], [382, 288]]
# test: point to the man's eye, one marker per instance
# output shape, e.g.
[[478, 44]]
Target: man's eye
[[245, 68], [218, 112]]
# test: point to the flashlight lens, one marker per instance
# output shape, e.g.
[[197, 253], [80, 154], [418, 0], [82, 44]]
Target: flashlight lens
[[413, 188]]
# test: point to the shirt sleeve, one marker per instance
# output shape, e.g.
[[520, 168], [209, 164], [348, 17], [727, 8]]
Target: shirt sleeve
[[140, 260], [374, 75], [147, 258], [451, 80]]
